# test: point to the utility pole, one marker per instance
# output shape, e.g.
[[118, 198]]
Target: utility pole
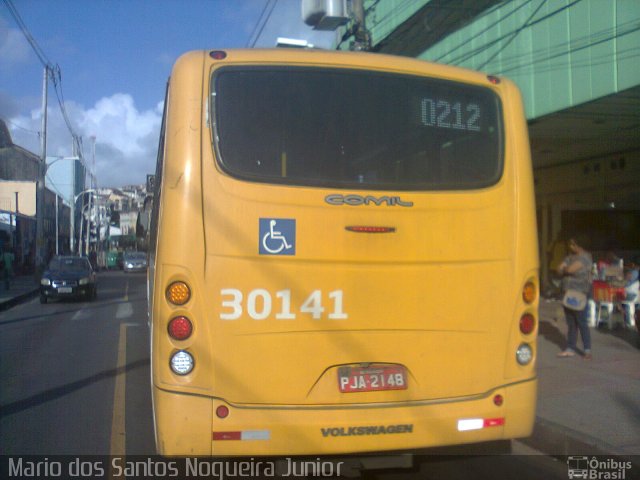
[[361, 34], [57, 232], [40, 186], [88, 232]]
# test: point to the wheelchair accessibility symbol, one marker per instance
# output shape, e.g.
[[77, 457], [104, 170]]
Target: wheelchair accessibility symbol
[[277, 236]]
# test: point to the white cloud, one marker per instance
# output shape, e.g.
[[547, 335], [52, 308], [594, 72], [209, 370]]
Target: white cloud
[[126, 138], [116, 122], [14, 49]]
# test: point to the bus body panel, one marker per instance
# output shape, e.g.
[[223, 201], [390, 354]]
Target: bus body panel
[[286, 431], [272, 331]]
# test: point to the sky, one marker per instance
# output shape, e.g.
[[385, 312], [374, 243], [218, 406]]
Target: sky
[[114, 58]]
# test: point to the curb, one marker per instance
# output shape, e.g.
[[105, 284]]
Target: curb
[[17, 300], [559, 441]]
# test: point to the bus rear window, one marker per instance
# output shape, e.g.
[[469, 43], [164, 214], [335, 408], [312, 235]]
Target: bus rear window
[[355, 129]]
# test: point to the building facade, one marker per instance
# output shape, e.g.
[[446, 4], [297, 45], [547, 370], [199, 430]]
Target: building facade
[[576, 63], [18, 176]]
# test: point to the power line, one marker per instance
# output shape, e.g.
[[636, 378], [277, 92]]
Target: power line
[[255, 28], [469, 54], [264, 23], [514, 35], [53, 71], [15, 125], [25, 31], [568, 48], [546, 53], [467, 41]]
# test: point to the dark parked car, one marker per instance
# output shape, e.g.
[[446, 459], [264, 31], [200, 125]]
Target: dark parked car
[[134, 262], [68, 277]]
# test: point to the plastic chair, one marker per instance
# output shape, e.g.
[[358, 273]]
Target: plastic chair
[[609, 307], [604, 300], [592, 319], [632, 295], [629, 309]]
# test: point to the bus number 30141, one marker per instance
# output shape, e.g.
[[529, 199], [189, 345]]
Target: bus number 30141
[[259, 305]]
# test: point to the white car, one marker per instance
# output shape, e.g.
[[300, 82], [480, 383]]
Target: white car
[[134, 262]]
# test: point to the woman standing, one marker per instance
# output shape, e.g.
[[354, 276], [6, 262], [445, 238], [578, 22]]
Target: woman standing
[[575, 270]]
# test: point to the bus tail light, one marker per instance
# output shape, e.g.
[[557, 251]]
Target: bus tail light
[[527, 323], [467, 424], [180, 328], [529, 292], [178, 293], [524, 354], [182, 362]]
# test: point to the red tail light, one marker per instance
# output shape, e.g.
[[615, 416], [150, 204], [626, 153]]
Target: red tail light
[[180, 328], [527, 323]]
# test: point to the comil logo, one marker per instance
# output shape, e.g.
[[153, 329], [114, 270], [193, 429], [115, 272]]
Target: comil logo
[[597, 469], [357, 200]]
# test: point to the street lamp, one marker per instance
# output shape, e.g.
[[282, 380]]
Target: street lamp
[[75, 199], [68, 198]]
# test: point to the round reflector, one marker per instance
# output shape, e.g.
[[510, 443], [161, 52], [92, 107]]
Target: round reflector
[[524, 354], [181, 362], [498, 400], [527, 323], [178, 293], [222, 411], [180, 328]]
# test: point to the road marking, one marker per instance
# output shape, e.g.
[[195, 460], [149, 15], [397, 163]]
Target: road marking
[[118, 426], [118, 421], [125, 310], [81, 314]]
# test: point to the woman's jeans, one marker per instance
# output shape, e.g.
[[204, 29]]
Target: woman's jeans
[[577, 320]]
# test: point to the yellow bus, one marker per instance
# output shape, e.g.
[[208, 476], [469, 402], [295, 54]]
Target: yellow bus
[[343, 256]]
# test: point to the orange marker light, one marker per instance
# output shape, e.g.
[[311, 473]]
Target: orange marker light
[[178, 293], [529, 292]]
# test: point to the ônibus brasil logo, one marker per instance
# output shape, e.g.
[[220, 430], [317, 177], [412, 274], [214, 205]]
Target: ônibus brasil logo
[[597, 469]]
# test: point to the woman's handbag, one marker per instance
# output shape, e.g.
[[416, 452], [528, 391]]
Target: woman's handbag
[[574, 300]]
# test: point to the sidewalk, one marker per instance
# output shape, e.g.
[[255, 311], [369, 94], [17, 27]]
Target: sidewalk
[[21, 288], [584, 407], [587, 407]]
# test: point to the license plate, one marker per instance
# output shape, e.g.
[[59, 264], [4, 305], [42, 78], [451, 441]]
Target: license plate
[[372, 379], [65, 290]]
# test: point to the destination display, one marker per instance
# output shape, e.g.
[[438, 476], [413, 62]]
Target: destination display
[[442, 113]]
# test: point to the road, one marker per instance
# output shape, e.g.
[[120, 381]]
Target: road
[[75, 381], [59, 371]]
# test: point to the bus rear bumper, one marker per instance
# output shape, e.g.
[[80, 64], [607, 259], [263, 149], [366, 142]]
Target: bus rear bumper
[[333, 430]]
